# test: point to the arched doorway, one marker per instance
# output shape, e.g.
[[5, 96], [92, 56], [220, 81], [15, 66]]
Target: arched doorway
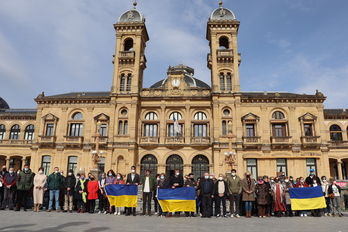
[[174, 162], [121, 165], [148, 162], [200, 165]]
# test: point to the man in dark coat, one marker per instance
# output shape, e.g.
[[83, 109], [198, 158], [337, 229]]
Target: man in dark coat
[[3, 172], [175, 181], [24, 184], [206, 186], [9, 189], [220, 193], [69, 187], [132, 178], [312, 177], [54, 182]]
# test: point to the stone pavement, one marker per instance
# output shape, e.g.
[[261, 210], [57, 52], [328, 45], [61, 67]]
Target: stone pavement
[[55, 222]]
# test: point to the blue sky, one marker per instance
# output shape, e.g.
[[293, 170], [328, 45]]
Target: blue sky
[[67, 45]]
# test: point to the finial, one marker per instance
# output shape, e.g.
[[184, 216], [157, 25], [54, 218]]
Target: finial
[[220, 3], [135, 3]]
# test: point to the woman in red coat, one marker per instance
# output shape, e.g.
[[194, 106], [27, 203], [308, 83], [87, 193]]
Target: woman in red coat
[[92, 190]]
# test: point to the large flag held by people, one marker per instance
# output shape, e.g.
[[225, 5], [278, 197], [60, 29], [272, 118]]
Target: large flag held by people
[[179, 199], [307, 198], [121, 195]]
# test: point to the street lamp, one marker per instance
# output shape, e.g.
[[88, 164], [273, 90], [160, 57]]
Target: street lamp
[[96, 154], [230, 156]]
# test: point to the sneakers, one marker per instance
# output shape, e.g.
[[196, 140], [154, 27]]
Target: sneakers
[[232, 216], [340, 215], [305, 215], [218, 215], [237, 215], [301, 215], [225, 216]]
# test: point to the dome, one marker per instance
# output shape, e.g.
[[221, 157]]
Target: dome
[[222, 13], [132, 15], [3, 104]]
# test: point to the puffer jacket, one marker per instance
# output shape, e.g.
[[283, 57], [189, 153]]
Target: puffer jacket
[[25, 180]]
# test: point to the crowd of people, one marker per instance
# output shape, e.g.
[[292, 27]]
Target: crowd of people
[[237, 195]]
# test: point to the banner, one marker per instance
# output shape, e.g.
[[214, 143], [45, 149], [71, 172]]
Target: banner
[[307, 198], [176, 200], [121, 195]]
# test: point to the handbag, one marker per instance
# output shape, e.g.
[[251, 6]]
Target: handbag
[[331, 195]]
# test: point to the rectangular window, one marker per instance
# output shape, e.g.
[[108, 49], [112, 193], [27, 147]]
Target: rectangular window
[[49, 129], [150, 130], [102, 130], [72, 163], [125, 128], [282, 166], [308, 130], [46, 164], [252, 167], [279, 130], [250, 130], [76, 129], [101, 165], [172, 133], [224, 128], [200, 130], [311, 164]]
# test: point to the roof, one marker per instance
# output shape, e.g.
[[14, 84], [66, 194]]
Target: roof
[[132, 15], [222, 13], [335, 113], [83, 94], [3, 104], [18, 113]]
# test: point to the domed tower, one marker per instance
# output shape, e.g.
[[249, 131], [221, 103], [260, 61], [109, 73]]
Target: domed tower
[[129, 59], [223, 59]]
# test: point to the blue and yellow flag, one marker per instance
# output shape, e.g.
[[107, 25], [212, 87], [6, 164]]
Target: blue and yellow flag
[[176, 200], [121, 195], [307, 198]]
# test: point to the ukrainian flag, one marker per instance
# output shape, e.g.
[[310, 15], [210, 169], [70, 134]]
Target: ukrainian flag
[[307, 198], [176, 200], [121, 195]]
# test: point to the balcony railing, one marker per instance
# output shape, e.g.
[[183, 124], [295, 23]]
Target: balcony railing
[[338, 144], [47, 139], [282, 139], [149, 139], [127, 54], [200, 140], [15, 142], [175, 140], [252, 139], [224, 52], [73, 139], [310, 139]]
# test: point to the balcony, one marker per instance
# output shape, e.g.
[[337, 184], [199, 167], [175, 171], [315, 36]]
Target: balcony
[[224, 53], [126, 57], [149, 140], [5, 142], [252, 140], [200, 140], [73, 140], [281, 140], [309, 139], [338, 144], [175, 140], [47, 139]]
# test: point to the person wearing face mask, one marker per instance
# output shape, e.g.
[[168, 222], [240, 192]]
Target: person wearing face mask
[[92, 192], [157, 178], [269, 197], [38, 190], [325, 187], [69, 187], [147, 183], [206, 186], [176, 181], [190, 182], [311, 178], [261, 191], [335, 189], [9, 182], [248, 185], [119, 180], [81, 194], [278, 194], [287, 184], [132, 178], [3, 172], [220, 194], [302, 184], [110, 179], [25, 181], [162, 183], [54, 182], [234, 184], [101, 193]]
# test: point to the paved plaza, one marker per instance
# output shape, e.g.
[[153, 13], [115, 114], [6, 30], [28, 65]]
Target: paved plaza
[[43, 221]]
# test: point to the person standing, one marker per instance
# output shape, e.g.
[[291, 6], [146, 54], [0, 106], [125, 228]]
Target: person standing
[[110, 179], [312, 178], [302, 184], [278, 195], [162, 183], [119, 180], [9, 183], [287, 184], [39, 185], [220, 194], [176, 181], [92, 192], [234, 184], [147, 188], [3, 172], [102, 198], [261, 191], [190, 182], [132, 178], [69, 191], [336, 201], [54, 182], [81, 194], [325, 187], [24, 184], [248, 185], [206, 186]]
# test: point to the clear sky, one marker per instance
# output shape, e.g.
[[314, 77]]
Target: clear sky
[[67, 45]]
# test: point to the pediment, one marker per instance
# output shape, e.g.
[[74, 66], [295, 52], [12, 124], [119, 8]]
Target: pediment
[[102, 117], [250, 116], [308, 116], [50, 117]]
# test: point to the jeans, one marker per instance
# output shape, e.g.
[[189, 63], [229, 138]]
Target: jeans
[[234, 199], [335, 204], [8, 198], [327, 209], [248, 206], [54, 194]]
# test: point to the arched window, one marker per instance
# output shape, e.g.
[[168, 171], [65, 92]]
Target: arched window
[[148, 162], [151, 128], [122, 83], [2, 131], [200, 116], [128, 45], [151, 116], [76, 127], [222, 82], [174, 162], [200, 165], [129, 82], [29, 132], [335, 133], [223, 43], [278, 115], [77, 116], [175, 128], [15, 132], [229, 82], [200, 129]]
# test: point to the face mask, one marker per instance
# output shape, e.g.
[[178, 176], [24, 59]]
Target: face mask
[[324, 180], [233, 174], [133, 171], [312, 174], [272, 181], [40, 171], [277, 181], [18, 173], [26, 169], [103, 177], [291, 179], [211, 177], [158, 178], [334, 182], [162, 177], [206, 177], [56, 172], [247, 176], [82, 178], [177, 173], [301, 181], [314, 181], [10, 172], [260, 182], [118, 177], [286, 180], [92, 178], [110, 174], [295, 182], [69, 173], [220, 178]]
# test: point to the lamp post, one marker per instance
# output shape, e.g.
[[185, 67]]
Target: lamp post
[[230, 156], [96, 154]]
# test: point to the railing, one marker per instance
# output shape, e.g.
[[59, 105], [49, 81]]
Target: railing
[[224, 52], [149, 139], [338, 144], [47, 139], [176, 140], [252, 139], [200, 140], [15, 142], [310, 139], [283, 139], [73, 139], [127, 54]]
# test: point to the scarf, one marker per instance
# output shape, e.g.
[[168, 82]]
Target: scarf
[[84, 194]]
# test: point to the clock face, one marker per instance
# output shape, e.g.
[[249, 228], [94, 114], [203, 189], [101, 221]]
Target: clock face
[[176, 82]]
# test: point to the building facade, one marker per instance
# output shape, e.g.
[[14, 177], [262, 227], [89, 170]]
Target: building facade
[[180, 121]]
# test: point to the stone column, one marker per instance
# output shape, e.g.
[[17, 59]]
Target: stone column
[[23, 162], [7, 163], [339, 169]]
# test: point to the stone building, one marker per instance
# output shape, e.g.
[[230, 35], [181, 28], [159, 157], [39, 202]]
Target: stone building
[[180, 121]]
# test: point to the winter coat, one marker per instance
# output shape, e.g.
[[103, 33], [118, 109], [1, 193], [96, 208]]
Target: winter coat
[[25, 180], [274, 192], [246, 187], [78, 195], [92, 190], [38, 193], [10, 181], [69, 182], [151, 183], [262, 193], [234, 185], [216, 188], [55, 181], [286, 187]]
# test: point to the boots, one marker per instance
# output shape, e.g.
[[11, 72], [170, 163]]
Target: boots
[[38, 208], [35, 207], [78, 210], [247, 214]]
